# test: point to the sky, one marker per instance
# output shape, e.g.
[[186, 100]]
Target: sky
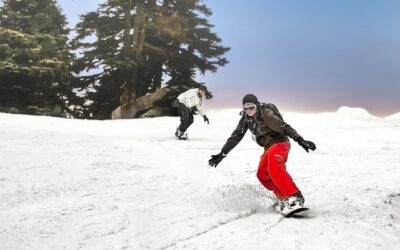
[[310, 55]]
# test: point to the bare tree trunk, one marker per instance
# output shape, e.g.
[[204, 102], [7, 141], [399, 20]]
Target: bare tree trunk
[[127, 27], [133, 47]]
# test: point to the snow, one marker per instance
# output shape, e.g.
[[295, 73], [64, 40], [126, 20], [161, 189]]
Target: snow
[[358, 113], [128, 184], [393, 117]]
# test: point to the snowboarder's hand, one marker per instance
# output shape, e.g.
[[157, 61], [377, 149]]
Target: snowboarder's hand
[[206, 119], [306, 144], [216, 159]]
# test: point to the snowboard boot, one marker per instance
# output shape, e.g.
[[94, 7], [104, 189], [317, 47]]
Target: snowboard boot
[[183, 137], [292, 203], [180, 135]]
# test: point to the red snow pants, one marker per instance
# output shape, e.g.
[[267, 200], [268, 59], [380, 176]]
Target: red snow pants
[[272, 171]]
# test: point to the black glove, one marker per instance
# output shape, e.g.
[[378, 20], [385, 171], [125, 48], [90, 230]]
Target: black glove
[[216, 159], [306, 144], [206, 119]]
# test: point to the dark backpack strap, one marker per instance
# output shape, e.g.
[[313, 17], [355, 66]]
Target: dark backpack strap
[[243, 114], [273, 108]]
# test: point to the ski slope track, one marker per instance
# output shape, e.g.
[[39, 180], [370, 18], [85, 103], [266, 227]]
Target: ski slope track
[[129, 184]]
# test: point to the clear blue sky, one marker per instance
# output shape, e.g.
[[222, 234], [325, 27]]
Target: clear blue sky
[[303, 55]]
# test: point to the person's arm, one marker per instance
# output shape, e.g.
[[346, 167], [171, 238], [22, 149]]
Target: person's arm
[[277, 124], [232, 141], [201, 112], [236, 136], [199, 109], [197, 103]]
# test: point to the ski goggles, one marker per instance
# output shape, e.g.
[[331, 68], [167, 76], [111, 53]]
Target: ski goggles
[[249, 107]]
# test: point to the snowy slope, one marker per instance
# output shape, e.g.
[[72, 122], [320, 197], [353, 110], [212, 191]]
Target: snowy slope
[[128, 184]]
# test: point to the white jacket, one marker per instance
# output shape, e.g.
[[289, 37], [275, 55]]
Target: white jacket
[[191, 99]]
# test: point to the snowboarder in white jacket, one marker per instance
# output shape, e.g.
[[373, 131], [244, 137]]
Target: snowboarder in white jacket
[[186, 103]]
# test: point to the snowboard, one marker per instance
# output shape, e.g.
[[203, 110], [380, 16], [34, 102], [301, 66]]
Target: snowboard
[[297, 211]]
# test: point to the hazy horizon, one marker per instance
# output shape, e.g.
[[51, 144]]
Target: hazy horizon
[[234, 100], [212, 106]]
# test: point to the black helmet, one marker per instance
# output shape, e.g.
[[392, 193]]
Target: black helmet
[[250, 98]]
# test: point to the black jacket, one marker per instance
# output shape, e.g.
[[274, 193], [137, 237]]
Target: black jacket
[[267, 126]]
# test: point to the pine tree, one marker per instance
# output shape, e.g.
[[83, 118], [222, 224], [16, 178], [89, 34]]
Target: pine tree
[[139, 45], [34, 58]]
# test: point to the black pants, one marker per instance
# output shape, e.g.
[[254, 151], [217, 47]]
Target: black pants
[[186, 115]]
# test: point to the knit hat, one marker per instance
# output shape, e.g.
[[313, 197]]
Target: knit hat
[[203, 88], [250, 98]]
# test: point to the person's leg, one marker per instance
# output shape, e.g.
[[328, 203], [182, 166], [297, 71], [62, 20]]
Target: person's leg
[[184, 114], [264, 178], [190, 121], [277, 157]]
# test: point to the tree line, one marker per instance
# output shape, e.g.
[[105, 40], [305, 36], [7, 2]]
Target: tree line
[[130, 56]]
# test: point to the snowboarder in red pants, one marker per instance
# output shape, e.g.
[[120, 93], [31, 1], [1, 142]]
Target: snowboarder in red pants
[[271, 132]]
